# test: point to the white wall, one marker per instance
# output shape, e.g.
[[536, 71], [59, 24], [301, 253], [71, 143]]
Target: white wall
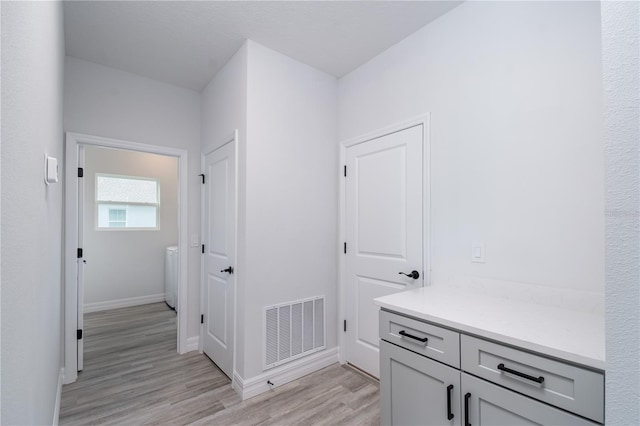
[[124, 264], [224, 109], [285, 112], [32, 78], [621, 76], [291, 186], [224, 101], [515, 93], [106, 102]]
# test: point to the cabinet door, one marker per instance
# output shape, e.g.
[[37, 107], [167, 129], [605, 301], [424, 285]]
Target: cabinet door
[[488, 404], [415, 390]]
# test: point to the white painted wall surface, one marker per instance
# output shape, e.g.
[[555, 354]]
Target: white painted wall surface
[[106, 102], [621, 77], [32, 78], [224, 109], [123, 264], [291, 192], [224, 101], [515, 93]]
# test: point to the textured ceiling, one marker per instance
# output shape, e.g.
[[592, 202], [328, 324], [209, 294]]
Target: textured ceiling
[[186, 43]]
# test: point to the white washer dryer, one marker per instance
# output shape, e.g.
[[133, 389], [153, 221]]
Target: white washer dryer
[[171, 277]]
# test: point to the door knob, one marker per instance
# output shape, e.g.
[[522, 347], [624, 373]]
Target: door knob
[[414, 274], [229, 270]]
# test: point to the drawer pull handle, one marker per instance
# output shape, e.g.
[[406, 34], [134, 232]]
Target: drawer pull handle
[[501, 367], [466, 409], [449, 413], [411, 336]]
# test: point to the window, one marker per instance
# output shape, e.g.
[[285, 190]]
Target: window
[[117, 217], [127, 202]]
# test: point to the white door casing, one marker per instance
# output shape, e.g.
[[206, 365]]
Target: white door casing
[[219, 255], [74, 267], [384, 203], [81, 262]]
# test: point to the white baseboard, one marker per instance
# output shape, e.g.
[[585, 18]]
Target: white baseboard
[[237, 383], [283, 374], [56, 407], [193, 343], [123, 303]]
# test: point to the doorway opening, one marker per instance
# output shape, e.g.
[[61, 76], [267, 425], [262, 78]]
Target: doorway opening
[[129, 237], [125, 215]]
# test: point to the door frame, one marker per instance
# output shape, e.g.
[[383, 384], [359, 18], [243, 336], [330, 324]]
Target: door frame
[[425, 121], [206, 150], [73, 141]]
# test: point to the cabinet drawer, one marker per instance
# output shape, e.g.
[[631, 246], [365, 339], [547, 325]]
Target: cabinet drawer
[[572, 388], [426, 339]]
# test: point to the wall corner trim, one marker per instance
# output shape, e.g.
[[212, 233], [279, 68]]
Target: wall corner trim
[[56, 407], [284, 374]]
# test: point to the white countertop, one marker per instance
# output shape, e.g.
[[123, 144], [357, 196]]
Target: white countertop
[[572, 335]]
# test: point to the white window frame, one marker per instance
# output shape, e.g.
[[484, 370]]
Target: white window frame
[[121, 203]]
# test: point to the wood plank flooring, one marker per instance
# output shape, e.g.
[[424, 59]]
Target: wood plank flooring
[[134, 376]]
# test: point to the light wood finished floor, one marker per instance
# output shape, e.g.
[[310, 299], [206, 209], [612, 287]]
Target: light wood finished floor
[[133, 376]]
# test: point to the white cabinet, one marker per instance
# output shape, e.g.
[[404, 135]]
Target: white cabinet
[[486, 404], [557, 383], [416, 390], [423, 338], [498, 384]]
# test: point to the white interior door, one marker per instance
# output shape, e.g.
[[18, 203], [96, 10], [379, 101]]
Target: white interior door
[[81, 262], [384, 235], [219, 256]]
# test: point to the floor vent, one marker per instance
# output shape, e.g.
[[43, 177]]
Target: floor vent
[[293, 330]]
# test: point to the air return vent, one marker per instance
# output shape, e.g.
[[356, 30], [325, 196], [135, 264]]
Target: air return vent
[[293, 330]]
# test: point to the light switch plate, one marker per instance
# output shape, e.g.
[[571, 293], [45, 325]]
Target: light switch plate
[[50, 169], [477, 252], [195, 240]]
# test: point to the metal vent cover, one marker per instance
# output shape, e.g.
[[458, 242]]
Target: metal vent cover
[[293, 330]]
